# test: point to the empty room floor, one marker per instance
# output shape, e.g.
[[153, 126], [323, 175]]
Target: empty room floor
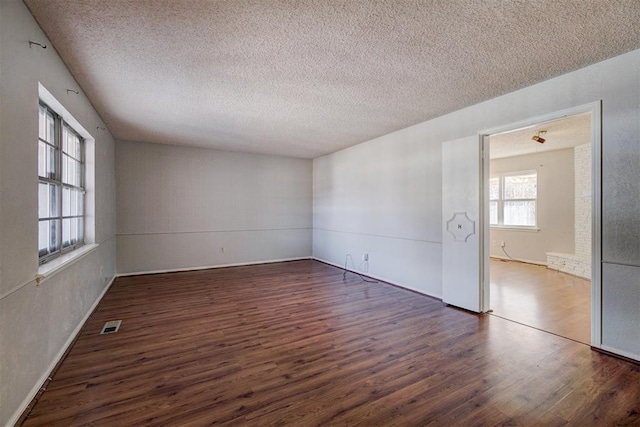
[[542, 298], [294, 344]]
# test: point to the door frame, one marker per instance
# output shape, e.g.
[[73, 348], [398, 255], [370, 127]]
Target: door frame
[[595, 109]]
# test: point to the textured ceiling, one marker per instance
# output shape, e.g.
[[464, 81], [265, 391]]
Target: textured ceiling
[[564, 133], [308, 77]]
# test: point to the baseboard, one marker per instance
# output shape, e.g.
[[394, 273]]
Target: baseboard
[[569, 274], [382, 279], [612, 351], [207, 267], [525, 261], [26, 405]]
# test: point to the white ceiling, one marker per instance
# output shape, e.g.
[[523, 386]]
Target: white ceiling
[[564, 133], [308, 77]]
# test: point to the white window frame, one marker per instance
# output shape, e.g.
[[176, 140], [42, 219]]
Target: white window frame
[[501, 199], [60, 247]]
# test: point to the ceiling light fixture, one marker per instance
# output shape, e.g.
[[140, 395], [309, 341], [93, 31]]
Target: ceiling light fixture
[[538, 138]]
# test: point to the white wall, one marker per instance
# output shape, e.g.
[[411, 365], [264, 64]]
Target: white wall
[[555, 207], [36, 322], [582, 200], [178, 206], [382, 196]]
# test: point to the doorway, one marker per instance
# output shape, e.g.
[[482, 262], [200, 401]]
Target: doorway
[[541, 189]]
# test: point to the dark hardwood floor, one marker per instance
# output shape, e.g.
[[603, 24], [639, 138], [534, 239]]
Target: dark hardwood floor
[[542, 298], [294, 344]]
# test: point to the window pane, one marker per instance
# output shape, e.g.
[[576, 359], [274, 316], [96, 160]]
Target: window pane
[[48, 236], [80, 203], [48, 195], [46, 160], [80, 222], [46, 125], [51, 163], [74, 150], [43, 238], [60, 164], [71, 231], [494, 188], [493, 213], [74, 202], [520, 186], [65, 169], [66, 232], [66, 201], [78, 178], [43, 200], [42, 123], [54, 197], [42, 159], [520, 213], [65, 140], [71, 171], [51, 129], [75, 172], [54, 240], [71, 142]]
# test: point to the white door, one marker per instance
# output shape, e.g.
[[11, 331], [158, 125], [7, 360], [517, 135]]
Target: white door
[[462, 223]]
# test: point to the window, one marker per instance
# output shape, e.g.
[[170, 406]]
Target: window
[[512, 199], [61, 186]]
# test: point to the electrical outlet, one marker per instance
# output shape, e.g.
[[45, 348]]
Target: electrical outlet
[[365, 257], [222, 249], [494, 243], [502, 244]]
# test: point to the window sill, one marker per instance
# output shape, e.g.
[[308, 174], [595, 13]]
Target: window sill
[[507, 228], [48, 269]]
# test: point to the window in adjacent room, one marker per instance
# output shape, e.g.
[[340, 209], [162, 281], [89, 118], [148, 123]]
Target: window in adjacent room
[[61, 186], [512, 199]]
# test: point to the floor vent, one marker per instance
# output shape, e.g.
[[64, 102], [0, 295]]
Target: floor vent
[[111, 327]]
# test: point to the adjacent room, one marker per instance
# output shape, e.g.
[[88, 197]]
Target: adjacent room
[[540, 198], [284, 212]]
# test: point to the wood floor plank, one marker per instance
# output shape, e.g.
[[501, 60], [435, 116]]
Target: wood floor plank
[[547, 299], [295, 344]]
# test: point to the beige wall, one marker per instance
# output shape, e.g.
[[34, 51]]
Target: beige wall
[[579, 261], [555, 207]]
